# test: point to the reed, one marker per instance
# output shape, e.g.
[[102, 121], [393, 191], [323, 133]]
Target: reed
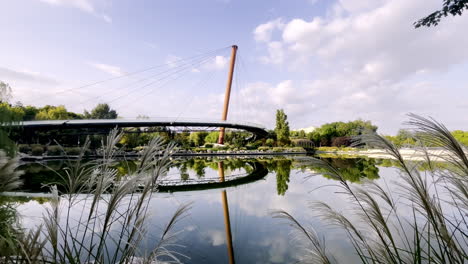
[[96, 217], [436, 231]]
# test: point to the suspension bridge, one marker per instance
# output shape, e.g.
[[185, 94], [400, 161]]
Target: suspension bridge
[[158, 79]]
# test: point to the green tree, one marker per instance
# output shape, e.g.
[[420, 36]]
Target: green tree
[[212, 137], [282, 127], [449, 7], [461, 136], [283, 169], [101, 111], [197, 138], [49, 112]]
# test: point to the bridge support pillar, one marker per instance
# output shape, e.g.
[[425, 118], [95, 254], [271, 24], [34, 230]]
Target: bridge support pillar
[[228, 93]]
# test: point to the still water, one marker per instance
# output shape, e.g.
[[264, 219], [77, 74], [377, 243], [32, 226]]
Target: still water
[[232, 221]]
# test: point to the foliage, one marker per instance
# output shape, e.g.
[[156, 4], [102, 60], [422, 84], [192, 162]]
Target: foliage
[[278, 149], [403, 138], [324, 135], [9, 230], [434, 232], [298, 134], [197, 138], [282, 127], [9, 175], [23, 148], [8, 115], [450, 7], [270, 142], [101, 111], [54, 150], [212, 137], [461, 136], [113, 214], [73, 151], [37, 150], [283, 170], [49, 112], [341, 141]]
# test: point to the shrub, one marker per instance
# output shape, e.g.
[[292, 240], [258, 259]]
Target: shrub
[[297, 149], [54, 150], [37, 150], [270, 142], [263, 148], [208, 145], [251, 147], [73, 151], [23, 148], [341, 141], [278, 149]]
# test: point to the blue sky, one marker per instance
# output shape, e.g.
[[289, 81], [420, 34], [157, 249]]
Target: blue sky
[[320, 60]]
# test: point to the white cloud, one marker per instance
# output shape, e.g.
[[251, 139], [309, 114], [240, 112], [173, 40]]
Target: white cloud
[[366, 55], [217, 63], [88, 6], [110, 69], [216, 237], [263, 32]]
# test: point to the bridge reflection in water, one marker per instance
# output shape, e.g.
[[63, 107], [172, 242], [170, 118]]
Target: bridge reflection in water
[[227, 221], [223, 181]]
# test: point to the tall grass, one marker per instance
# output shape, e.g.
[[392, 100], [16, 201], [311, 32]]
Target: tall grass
[[96, 217], [435, 230]]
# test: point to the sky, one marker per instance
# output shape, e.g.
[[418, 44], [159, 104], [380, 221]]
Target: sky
[[319, 60]]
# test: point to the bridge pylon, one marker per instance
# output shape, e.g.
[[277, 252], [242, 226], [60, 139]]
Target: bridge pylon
[[228, 93]]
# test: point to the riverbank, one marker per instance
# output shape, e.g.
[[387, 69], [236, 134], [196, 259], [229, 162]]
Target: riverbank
[[31, 158], [415, 154]]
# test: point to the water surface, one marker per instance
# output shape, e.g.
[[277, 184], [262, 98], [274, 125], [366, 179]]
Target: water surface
[[278, 183]]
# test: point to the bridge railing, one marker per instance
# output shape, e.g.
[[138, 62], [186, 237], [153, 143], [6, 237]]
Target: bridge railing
[[135, 120]]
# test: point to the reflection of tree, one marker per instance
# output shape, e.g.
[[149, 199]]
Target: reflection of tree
[[199, 168], [126, 167], [354, 170], [183, 172], [283, 169]]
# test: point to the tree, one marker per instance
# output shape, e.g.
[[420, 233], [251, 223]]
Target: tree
[[212, 137], [283, 169], [449, 7], [197, 138], [49, 112], [282, 127], [101, 111]]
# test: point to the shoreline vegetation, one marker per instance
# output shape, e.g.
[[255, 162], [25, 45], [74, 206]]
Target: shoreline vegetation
[[408, 153], [419, 220]]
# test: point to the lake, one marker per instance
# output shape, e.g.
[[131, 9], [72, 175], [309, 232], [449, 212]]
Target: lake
[[230, 219]]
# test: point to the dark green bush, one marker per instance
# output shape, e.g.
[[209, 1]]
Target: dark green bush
[[208, 145], [72, 151], [54, 150], [251, 147], [23, 148], [37, 150]]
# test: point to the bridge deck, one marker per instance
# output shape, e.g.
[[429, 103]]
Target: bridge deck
[[256, 129]]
